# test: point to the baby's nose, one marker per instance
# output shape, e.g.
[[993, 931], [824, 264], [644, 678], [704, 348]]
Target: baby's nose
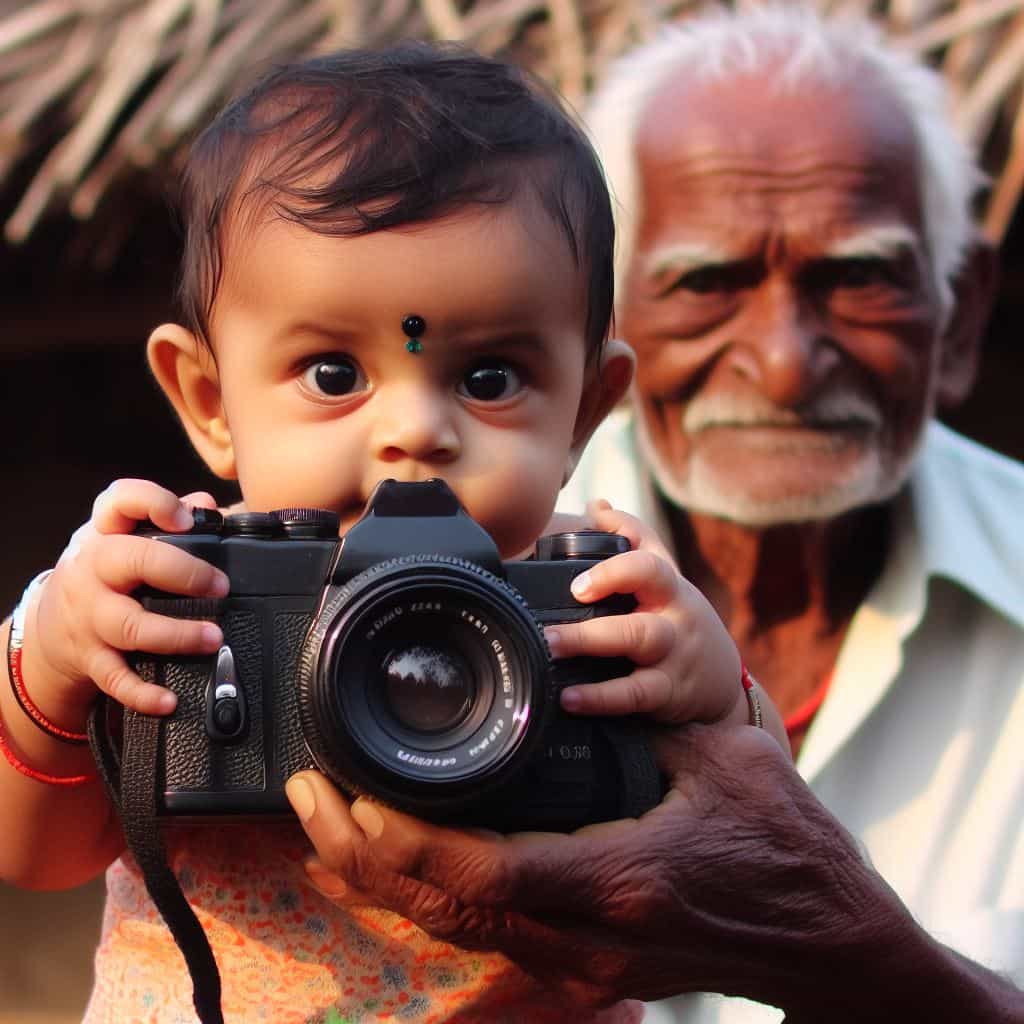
[[418, 424]]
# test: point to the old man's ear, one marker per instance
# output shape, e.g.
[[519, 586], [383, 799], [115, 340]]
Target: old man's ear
[[974, 291], [187, 373]]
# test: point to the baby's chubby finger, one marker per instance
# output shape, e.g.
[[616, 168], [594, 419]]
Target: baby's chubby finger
[[641, 537], [653, 580], [642, 692], [199, 499], [643, 637], [122, 623], [125, 562], [111, 673], [127, 502]]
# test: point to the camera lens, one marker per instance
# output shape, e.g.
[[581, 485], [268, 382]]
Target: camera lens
[[425, 682], [428, 690]]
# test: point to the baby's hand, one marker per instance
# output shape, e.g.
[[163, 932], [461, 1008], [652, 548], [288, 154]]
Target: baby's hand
[[86, 616], [687, 666]]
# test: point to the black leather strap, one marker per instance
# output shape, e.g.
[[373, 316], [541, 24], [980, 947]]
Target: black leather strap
[[104, 750], [131, 785]]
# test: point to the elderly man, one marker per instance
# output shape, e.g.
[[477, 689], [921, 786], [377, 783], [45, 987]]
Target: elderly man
[[804, 292]]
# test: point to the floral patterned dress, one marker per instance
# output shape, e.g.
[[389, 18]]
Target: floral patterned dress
[[286, 954]]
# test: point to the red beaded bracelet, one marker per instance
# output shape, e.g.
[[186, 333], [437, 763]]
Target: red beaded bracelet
[[50, 780], [15, 643]]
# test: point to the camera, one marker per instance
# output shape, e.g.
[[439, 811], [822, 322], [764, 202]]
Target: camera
[[405, 661]]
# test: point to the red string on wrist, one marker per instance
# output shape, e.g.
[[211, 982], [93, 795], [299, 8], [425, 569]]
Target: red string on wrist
[[15, 644], [28, 705], [31, 773], [801, 717]]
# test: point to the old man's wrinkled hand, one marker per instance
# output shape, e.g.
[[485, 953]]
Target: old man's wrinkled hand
[[713, 890]]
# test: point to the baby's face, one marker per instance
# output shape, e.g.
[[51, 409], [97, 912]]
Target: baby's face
[[323, 398]]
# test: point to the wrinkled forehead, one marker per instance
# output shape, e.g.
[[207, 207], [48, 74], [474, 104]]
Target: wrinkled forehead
[[825, 153]]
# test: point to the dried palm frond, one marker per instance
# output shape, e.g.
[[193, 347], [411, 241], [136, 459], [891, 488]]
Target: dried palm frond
[[96, 92]]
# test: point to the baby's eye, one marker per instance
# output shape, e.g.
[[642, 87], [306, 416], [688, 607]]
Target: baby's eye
[[489, 380], [334, 376]]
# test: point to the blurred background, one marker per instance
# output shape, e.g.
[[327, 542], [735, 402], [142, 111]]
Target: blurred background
[[97, 100]]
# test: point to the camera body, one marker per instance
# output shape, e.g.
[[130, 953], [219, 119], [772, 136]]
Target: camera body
[[405, 661]]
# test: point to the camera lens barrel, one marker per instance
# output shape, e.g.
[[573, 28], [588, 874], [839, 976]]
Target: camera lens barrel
[[425, 681]]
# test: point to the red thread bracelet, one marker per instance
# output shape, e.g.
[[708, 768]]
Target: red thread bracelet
[[15, 643], [802, 716], [27, 705], [31, 773], [756, 717]]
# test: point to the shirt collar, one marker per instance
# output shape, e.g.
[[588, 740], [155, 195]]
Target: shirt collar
[[953, 521], [967, 504]]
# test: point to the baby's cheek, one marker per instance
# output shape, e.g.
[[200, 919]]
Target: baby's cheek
[[302, 481], [516, 518]]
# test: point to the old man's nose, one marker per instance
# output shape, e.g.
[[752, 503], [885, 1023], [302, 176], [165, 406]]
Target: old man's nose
[[785, 351]]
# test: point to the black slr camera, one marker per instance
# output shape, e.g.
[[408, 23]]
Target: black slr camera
[[406, 662]]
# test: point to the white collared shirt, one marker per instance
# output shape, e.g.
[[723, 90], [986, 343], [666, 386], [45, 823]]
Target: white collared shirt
[[919, 746]]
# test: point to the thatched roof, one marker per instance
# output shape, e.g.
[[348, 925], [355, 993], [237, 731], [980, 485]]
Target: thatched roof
[[97, 94]]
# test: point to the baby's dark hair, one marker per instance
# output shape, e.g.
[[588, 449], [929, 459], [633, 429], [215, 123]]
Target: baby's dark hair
[[357, 141]]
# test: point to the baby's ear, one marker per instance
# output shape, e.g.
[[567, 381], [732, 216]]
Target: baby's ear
[[604, 386], [186, 371]]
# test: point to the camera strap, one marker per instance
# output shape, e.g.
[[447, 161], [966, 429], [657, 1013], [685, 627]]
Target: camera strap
[[131, 784]]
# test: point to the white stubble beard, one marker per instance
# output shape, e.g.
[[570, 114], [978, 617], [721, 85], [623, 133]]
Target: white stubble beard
[[872, 479]]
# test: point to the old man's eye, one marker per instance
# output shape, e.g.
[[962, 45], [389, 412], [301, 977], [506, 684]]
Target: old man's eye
[[854, 272], [334, 376], [704, 280], [719, 278], [490, 381]]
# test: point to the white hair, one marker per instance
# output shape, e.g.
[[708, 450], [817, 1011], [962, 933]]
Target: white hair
[[801, 47]]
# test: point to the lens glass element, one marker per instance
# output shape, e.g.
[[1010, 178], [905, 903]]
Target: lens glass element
[[428, 690]]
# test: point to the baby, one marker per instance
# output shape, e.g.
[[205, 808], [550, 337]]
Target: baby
[[397, 265]]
